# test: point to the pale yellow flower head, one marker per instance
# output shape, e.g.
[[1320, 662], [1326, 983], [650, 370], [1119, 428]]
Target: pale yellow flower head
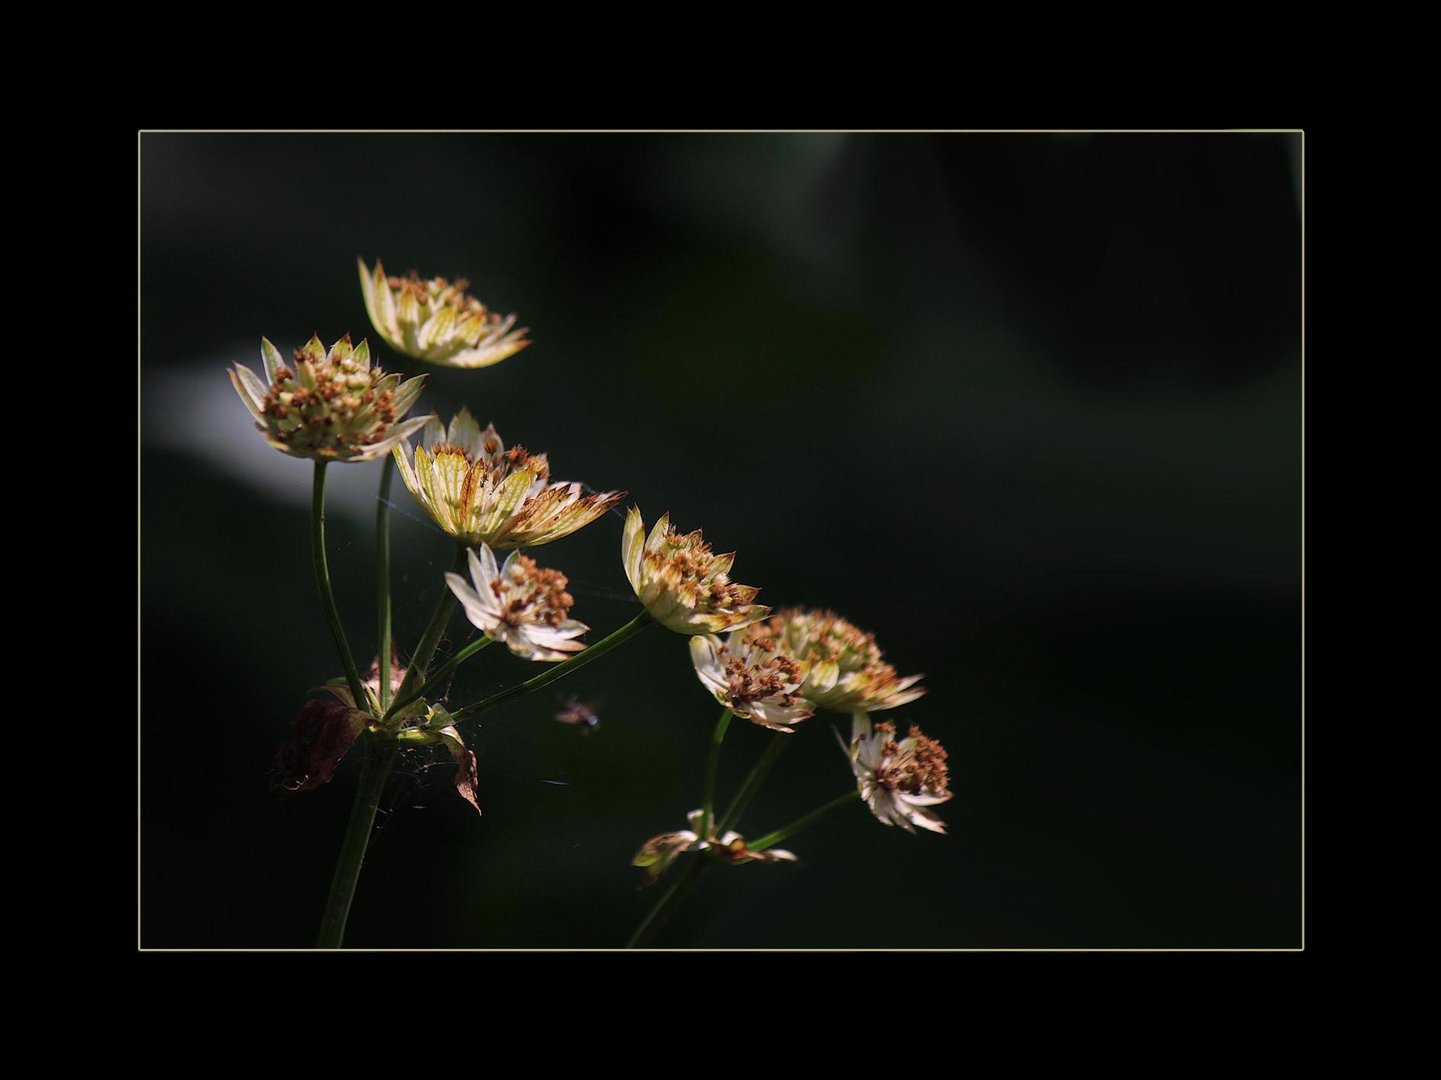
[[845, 670], [328, 405], [683, 585], [521, 604], [481, 493], [899, 778], [435, 321], [751, 676]]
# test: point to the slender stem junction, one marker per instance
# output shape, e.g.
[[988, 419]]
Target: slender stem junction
[[430, 640], [380, 755], [668, 902], [771, 839], [322, 582], [753, 782], [440, 673], [707, 806], [560, 670], [382, 576]]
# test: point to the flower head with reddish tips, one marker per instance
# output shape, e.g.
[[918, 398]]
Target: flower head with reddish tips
[[899, 778], [481, 493], [683, 585], [657, 853], [751, 676], [844, 666], [330, 405], [520, 604], [435, 321]]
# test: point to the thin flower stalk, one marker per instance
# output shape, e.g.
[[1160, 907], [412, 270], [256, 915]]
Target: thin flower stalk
[[430, 640], [380, 756], [769, 840], [707, 816], [560, 670], [669, 901], [382, 574], [752, 784], [322, 582], [401, 703]]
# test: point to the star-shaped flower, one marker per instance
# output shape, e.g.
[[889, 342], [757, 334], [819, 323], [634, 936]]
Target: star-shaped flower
[[328, 405], [520, 604], [436, 321], [899, 778]]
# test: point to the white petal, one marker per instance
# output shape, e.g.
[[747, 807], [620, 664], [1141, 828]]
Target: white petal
[[406, 394], [925, 800], [821, 678], [779, 854], [657, 533], [778, 717], [404, 430], [434, 431], [271, 357], [470, 600], [705, 657], [925, 820], [871, 751], [465, 433], [248, 385], [860, 725], [631, 549], [485, 567], [554, 637]]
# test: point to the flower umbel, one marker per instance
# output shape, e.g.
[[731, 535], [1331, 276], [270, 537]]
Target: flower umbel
[[520, 604], [657, 853], [845, 669], [330, 406], [434, 320], [899, 778], [750, 676], [481, 493], [683, 585]]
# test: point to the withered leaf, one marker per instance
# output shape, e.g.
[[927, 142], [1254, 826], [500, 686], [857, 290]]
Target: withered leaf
[[318, 740]]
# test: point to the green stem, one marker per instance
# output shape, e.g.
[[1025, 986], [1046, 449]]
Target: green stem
[[753, 782], [439, 619], [667, 903], [378, 759], [560, 670], [707, 806], [440, 673], [322, 582], [771, 839], [382, 576]]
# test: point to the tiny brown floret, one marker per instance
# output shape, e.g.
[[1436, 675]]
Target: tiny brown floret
[[535, 594]]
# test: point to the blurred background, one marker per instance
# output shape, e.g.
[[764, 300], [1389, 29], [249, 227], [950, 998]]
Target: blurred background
[[1027, 406]]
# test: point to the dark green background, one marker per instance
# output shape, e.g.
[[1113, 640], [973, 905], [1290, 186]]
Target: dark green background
[[1027, 406]]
